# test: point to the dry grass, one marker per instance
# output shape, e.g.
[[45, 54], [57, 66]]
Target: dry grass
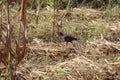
[[97, 59]]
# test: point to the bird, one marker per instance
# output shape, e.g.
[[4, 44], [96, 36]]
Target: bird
[[67, 38]]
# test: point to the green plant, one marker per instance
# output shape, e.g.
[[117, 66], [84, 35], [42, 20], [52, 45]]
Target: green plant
[[46, 76], [50, 3]]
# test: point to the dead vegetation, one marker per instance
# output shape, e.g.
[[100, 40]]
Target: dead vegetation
[[95, 57]]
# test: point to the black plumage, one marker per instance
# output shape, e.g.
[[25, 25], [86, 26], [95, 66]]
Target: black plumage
[[66, 38], [69, 38]]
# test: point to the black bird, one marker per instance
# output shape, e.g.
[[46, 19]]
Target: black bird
[[66, 38]]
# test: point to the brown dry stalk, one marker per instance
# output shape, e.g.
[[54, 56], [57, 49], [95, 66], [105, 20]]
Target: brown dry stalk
[[7, 55], [21, 48], [54, 5], [20, 52], [0, 20], [56, 17], [38, 11], [4, 55]]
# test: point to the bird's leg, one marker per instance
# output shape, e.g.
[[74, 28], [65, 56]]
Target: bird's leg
[[66, 43], [73, 44]]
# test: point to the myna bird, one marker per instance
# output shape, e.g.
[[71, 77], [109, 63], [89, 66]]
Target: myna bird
[[67, 38]]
